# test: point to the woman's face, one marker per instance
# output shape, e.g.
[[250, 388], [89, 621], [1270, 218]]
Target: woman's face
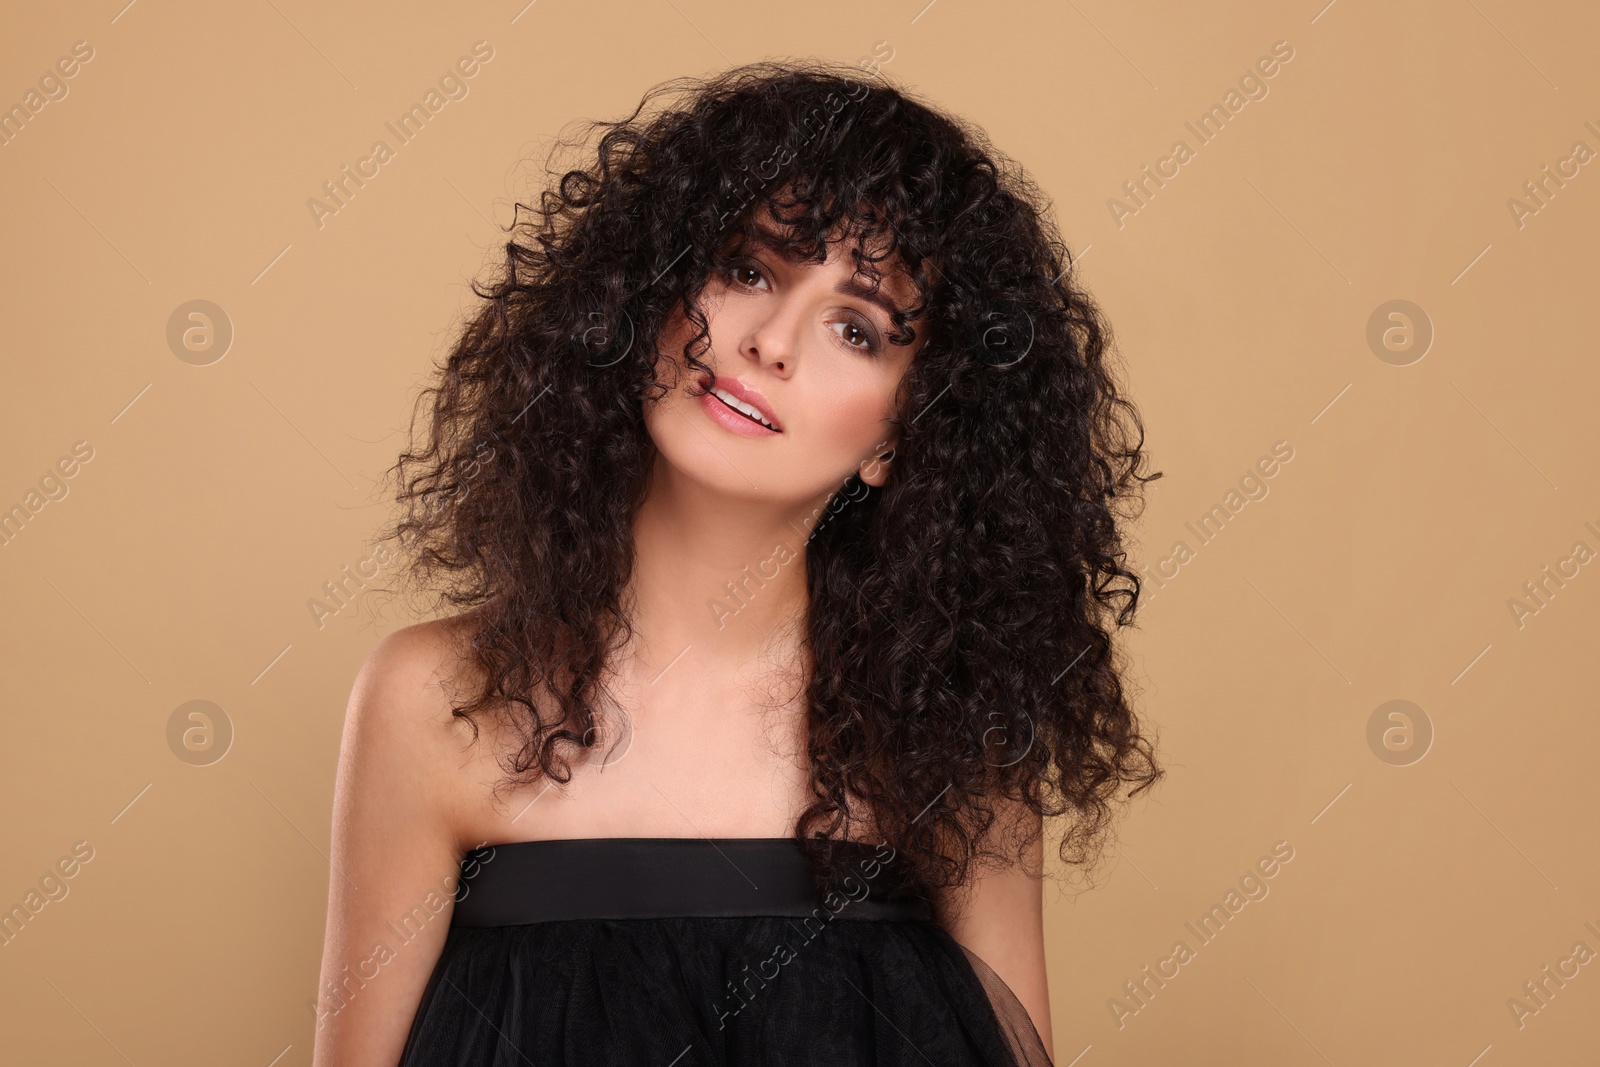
[[805, 345]]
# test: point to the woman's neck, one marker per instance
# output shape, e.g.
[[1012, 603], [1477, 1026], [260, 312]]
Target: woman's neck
[[722, 575]]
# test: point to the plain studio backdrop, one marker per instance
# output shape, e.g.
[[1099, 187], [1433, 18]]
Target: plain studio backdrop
[[1354, 309]]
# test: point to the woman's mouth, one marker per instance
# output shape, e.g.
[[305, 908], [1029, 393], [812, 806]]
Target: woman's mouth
[[733, 413]]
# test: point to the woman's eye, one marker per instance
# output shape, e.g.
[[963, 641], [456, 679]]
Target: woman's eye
[[740, 272], [854, 333]]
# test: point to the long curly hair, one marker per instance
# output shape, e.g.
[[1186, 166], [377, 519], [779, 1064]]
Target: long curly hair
[[960, 617]]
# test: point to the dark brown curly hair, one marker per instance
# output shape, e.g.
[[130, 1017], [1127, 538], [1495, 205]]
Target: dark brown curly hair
[[960, 617]]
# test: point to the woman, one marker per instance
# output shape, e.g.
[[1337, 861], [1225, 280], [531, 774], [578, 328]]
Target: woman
[[776, 484]]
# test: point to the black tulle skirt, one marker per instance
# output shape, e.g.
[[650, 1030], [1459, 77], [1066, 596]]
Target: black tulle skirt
[[690, 951]]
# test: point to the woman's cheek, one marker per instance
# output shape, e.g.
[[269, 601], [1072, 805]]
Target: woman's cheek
[[855, 424]]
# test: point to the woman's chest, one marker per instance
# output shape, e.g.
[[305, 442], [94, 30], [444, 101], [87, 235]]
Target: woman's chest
[[727, 770]]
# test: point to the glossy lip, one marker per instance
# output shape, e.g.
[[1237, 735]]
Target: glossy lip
[[745, 393]]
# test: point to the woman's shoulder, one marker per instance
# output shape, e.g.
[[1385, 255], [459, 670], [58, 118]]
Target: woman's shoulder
[[400, 725], [410, 675], [424, 648]]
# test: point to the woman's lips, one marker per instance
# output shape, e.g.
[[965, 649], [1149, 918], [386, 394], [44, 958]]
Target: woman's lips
[[732, 420]]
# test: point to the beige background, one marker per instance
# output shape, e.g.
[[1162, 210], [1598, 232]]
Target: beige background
[[1381, 565]]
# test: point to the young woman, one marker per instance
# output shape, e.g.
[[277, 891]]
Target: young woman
[[776, 490]]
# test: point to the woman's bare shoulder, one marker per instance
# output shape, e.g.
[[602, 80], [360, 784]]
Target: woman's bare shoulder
[[400, 724], [424, 649], [396, 841], [409, 677]]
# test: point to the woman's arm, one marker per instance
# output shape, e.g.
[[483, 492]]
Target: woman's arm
[[1002, 922], [394, 855]]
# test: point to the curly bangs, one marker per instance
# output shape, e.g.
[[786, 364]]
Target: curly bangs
[[960, 617]]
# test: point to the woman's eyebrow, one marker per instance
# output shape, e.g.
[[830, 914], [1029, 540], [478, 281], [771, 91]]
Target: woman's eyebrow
[[850, 286], [853, 286]]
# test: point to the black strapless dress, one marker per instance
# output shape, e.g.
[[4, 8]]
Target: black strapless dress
[[687, 952]]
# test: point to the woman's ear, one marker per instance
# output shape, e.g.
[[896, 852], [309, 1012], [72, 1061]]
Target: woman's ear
[[875, 468]]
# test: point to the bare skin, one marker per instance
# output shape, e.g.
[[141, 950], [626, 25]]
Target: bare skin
[[708, 713]]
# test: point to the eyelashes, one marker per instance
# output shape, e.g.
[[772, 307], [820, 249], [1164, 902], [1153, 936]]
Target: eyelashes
[[854, 320]]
